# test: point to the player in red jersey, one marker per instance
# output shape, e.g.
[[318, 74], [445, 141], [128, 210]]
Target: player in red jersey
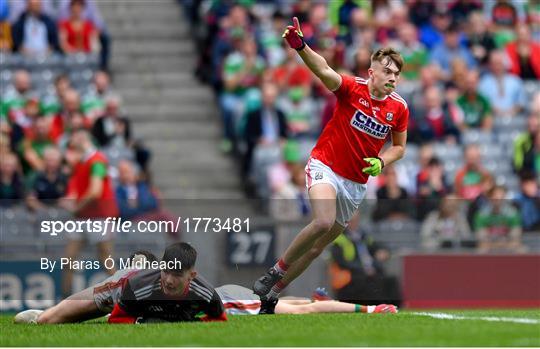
[[347, 153]]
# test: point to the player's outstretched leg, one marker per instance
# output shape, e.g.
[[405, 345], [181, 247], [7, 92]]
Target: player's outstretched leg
[[323, 203]]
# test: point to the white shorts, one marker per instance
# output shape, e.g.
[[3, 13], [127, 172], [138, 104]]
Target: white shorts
[[349, 194], [238, 300]]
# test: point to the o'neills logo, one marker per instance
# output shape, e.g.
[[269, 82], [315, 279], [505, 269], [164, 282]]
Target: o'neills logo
[[369, 125]]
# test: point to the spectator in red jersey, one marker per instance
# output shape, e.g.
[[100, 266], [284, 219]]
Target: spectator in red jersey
[[469, 179], [76, 33], [90, 195], [71, 104], [291, 73], [524, 54]]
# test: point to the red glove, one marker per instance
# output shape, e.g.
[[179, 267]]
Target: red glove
[[294, 36], [222, 317], [120, 316]]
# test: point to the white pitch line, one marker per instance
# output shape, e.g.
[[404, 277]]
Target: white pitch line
[[445, 316]]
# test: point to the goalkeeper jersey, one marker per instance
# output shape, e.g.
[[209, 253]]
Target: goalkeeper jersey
[[142, 297]]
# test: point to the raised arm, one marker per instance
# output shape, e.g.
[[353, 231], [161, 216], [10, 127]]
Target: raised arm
[[315, 62]]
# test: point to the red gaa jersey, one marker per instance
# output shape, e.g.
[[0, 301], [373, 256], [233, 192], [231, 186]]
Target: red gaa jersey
[[359, 128]]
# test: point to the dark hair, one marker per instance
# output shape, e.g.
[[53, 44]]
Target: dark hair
[[434, 161], [381, 54], [150, 257], [182, 252], [77, 2]]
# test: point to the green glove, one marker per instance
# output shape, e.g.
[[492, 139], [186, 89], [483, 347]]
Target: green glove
[[376, 167]]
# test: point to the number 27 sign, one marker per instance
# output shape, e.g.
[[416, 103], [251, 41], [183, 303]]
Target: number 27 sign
[[255, 248]]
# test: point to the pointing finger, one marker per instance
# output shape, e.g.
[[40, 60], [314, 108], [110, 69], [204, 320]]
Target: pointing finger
[[296, 23]]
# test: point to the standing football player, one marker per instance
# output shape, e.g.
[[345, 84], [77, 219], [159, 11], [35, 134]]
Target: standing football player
[[347, 153]]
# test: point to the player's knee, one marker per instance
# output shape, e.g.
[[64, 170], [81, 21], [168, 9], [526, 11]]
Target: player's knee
[[322, 225]]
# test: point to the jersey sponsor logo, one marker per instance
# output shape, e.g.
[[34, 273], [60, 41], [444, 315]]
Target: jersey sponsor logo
[[364, 102], [369, 125]]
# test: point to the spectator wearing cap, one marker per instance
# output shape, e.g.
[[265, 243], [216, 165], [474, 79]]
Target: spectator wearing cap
[[449, 49], [528, 202], [504, 91], [498, 224], [524, 54], [469, 178], [476, 108], [76, 33], [526, 157], [35, 33]]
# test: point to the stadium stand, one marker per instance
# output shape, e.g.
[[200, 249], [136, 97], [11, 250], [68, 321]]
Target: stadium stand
[[176, 117]]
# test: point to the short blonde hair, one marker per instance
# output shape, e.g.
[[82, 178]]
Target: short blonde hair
[[381, 54]]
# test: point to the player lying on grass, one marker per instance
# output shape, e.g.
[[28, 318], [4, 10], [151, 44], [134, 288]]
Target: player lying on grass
[[237, 300], [131, 294]]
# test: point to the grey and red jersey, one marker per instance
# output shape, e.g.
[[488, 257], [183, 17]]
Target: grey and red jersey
[[142, 296]]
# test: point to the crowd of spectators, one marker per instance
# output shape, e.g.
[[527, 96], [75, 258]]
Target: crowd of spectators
[[39, 28], [39, 121], [470, 79]]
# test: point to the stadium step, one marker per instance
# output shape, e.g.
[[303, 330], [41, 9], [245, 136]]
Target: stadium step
[[172, 113], [139, 47], [185, 130]]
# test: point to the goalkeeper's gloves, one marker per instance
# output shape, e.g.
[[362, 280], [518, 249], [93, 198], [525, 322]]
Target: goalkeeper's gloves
[[375, 168], [294, 36]]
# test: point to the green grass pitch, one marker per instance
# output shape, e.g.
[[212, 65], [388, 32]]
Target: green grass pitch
[[403, 329]]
